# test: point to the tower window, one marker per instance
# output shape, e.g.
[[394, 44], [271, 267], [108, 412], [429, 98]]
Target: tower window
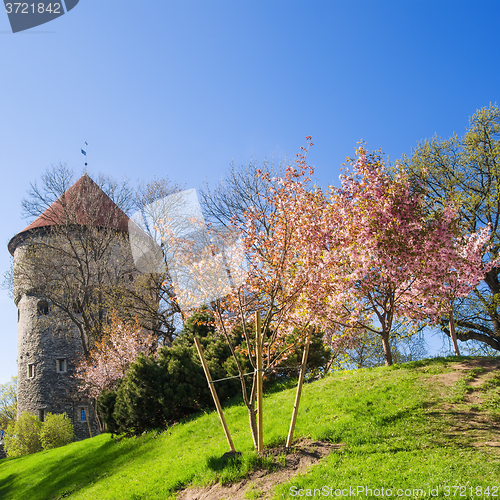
[[83, 414], [31, 370], [61, 366], [41, 415], [43, 308]]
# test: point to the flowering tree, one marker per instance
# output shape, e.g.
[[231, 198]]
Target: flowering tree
[[261, 273], [378, 256], [460, 278], [466, 169], [110, 358]]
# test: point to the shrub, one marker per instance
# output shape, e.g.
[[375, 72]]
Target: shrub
[[158, 391], [29, 435], [57, 430], [23, 437], [106, 407]]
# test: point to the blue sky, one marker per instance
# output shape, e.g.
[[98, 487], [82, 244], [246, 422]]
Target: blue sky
[[180, 89]]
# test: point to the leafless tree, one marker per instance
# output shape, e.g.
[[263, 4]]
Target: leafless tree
[[151, 298], [240, 190]]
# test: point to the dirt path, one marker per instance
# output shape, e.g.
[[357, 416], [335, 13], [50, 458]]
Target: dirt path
[[305, 454], [466, 423]]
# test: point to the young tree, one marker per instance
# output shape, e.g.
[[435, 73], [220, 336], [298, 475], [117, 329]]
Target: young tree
[[260, 275], [467, 169]]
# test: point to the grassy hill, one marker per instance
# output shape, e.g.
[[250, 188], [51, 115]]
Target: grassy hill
[[422, 425]]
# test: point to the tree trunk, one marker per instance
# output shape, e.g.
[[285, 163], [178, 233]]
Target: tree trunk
[[387, 348], [100, 425], [252, 417], [453, 334]]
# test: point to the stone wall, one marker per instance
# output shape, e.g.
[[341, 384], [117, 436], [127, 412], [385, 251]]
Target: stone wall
[[46, 365]]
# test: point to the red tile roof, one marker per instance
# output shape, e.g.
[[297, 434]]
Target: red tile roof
[[83, 203]]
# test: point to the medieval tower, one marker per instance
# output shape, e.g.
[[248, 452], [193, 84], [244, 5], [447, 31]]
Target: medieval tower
[[50, 335]]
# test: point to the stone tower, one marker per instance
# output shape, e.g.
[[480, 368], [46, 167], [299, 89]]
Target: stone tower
[[45, 355]]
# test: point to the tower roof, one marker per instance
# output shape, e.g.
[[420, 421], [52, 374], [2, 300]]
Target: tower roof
[[84, 203]]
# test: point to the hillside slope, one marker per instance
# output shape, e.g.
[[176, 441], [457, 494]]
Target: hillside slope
[[426, 425]]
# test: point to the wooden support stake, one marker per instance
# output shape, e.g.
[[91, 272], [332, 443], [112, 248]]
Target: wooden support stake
[[258, 349], [88, 419], [297, 396], [214, 394]]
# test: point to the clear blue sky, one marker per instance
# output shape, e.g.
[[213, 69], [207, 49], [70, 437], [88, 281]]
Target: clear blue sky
[[179, 89]]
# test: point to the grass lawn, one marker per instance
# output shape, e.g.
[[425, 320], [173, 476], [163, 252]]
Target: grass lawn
[[409, 427]]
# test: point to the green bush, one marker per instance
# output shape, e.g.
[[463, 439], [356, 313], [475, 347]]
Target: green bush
[[106, 407], [29, 435], [57, 430], [23, 436]]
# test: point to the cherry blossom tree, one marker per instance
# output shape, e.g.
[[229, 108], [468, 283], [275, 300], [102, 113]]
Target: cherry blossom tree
[[468, 270], [108, 361], [378, 256]]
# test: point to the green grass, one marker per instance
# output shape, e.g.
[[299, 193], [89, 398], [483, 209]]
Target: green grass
[[491, 395], [397, 424]]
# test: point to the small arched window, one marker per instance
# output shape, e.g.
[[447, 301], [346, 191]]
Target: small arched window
[[43, 307]]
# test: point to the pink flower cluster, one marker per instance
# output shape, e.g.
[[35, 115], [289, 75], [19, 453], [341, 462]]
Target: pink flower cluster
[[110, 358]]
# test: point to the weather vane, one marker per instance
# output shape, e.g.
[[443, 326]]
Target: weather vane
[[84, 152]]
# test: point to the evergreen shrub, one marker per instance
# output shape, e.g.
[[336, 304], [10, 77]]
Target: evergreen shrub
[[159, 391]]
